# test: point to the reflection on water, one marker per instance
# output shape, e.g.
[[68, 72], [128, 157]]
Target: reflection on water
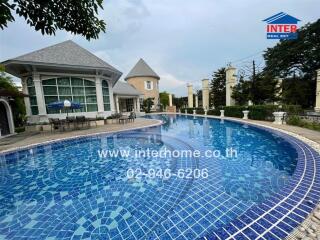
[[69, 183], [264, 163]]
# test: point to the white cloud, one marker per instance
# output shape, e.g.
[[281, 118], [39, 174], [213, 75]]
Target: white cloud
[[183, 41]]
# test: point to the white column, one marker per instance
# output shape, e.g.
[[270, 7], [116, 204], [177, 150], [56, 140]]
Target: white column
[[317, 107], [170, 100], [112, 103], [26, 99], [99, 95], [134, 105], [205, 93], [230, 83], [39, 95], [138, 104], [117, 104], [190, 96], [279, 87], [197, 101]]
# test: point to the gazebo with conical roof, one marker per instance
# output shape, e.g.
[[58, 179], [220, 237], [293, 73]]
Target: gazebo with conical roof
[[145, 80]]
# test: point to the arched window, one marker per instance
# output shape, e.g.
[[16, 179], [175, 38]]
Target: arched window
[[106, 96]]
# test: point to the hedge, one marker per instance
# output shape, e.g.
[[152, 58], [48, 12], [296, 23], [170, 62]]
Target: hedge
[[215, 112], [256, 112], [190, 110], [262, 112]]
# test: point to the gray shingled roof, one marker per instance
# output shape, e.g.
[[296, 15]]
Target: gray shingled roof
[[65, 53], [123, 88], [142, 69]]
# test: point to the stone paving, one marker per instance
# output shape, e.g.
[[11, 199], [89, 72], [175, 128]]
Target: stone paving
[[26, 139]]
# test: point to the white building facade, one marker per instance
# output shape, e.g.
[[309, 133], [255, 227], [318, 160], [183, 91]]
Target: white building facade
[[66, 71]]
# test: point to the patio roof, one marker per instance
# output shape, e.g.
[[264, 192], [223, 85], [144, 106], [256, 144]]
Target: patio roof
[[123, 88]]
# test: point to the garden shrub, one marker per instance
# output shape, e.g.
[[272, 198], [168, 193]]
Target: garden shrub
[[262, 112], [215, 112], [199, 111], [234, 111], [190, 110], [256, 112], [297, 121]]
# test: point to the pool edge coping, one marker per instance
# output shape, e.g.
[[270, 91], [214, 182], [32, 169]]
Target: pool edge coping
[[312, 144], [10, 150]]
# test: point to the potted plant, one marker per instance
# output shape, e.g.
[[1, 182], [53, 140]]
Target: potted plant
[[100, 121], [45, 127], [109, 120]]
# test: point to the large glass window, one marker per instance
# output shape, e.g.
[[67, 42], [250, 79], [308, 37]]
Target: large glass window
[[106, 96], [73, 89], [32, 96]]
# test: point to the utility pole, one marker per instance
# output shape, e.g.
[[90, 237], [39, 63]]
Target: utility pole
[[253, 80]]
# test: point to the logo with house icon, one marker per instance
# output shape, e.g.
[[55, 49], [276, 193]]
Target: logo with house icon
[[282, 26]]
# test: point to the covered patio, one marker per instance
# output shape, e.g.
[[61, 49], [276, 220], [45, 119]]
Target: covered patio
[[126, 98]]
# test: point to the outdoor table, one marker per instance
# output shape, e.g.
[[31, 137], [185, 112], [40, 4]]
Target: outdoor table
[[123, 119]]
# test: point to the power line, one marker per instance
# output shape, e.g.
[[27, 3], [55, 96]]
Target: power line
[[250, 56]]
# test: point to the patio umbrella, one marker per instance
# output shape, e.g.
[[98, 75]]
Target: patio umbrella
[[66, 104]]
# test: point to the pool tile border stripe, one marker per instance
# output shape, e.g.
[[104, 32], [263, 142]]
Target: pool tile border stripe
[[300, 196]]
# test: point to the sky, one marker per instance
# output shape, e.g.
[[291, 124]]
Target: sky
[[184, 41]]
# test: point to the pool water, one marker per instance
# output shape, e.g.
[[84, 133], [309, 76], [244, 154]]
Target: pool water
[[66, 190]]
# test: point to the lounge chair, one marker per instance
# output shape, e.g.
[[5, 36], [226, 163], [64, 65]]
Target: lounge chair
[[81, 120], [71, 121], [132, 116], [56, 124]]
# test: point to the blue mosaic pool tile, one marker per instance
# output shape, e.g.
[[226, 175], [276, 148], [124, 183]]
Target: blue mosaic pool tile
[[284, 227], [222, 233], [240, 236], [238, 224], [279, 233], [291, 222], [215, 199], [250, 233], [270, 236]]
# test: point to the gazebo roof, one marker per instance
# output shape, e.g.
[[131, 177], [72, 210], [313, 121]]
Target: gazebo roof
[[142, 69], [66, 55]]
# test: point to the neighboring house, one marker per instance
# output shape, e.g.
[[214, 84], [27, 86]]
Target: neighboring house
[[146, 81], [68, 71]]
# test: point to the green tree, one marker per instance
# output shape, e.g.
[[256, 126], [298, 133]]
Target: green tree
[[218, 88], [147, 104], [180, 102], [164, 99], [297, 60], [74, 16], [18, 107], [298, 91], [241, 92]]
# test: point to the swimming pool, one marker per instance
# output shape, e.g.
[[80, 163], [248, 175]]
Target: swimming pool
[[67, 189]]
